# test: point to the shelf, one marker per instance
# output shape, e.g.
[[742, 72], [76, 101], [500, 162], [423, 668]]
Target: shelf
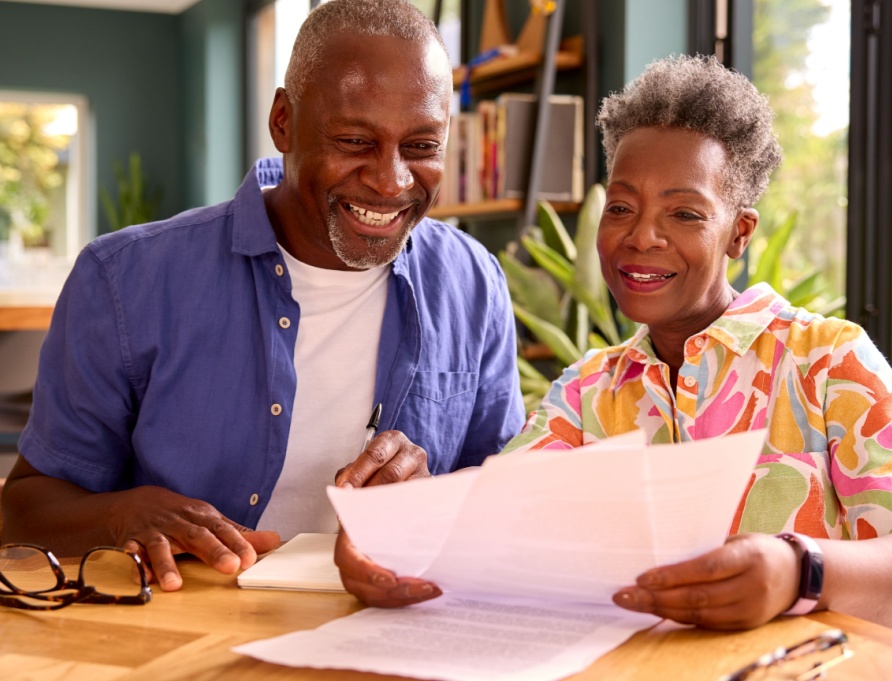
[[519, 68], [493, 210]]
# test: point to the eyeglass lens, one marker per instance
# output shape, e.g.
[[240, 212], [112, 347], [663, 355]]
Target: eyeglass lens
[[27, 568], [109, 572]]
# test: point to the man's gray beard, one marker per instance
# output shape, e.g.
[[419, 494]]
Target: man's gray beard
[[380, 250]]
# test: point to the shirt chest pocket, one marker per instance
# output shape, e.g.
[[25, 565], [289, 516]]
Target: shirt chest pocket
[[437, 412]]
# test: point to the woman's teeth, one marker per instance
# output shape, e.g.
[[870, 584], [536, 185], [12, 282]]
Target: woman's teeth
[[370, 217], [647, 277]]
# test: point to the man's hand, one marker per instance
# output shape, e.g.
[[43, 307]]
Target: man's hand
[[390, 457], [745, 583], [158, 524], [372, 584]]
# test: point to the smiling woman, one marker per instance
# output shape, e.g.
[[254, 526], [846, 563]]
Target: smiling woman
[[689, 151]]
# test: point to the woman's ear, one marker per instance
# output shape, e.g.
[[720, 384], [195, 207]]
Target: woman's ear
[[280, 121], [744, 225]]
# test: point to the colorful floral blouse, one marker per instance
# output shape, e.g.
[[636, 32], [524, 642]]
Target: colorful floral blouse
[[819, 386]]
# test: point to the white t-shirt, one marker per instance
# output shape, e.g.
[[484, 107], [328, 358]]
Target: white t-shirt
[[335, 357]]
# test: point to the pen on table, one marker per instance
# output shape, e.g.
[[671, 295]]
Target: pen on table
[[372, 427]]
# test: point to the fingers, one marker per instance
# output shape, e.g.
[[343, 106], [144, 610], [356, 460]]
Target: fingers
[[390, 457], [372, 584], [159, 524], [743, 584], [263, 541]]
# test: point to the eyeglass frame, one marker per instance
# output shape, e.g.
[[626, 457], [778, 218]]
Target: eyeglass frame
[[83, 593], [823, 641]]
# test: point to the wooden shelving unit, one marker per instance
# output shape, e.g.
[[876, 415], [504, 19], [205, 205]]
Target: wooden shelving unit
[[511, 70], [492, 210], [538, 67]]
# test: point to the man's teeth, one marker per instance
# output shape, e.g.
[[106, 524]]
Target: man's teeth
[[647, 277], [370, 217]]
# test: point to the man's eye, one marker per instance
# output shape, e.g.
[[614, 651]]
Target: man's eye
[[423, 148]]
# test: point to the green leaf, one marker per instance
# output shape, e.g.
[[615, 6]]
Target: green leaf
[[554, 233], [768, 268], [806, 289], [562, 347], [532, 288], [562, 271]]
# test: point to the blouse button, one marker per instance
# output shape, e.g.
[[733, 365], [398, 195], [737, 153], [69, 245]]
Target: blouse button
[[276, 409], [690, 381], [698, 341], [284, 322], [280, 270], [254, 499]]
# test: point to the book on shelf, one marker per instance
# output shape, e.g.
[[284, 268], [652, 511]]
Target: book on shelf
[[490, 149], [562, 176]]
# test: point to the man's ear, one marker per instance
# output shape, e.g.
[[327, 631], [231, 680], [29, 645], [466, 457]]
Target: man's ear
[[280, 115], [744, 225]]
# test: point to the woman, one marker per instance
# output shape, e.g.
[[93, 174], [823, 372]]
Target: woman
[[689, 151]]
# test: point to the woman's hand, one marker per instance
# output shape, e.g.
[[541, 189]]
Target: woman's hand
[[745, 583]]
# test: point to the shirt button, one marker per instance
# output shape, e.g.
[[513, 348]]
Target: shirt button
[[690, 381], [276, 409], [284, 322], [253, 500], [280, 270], [698, 341]]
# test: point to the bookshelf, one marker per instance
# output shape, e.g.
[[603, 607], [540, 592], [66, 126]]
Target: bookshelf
[[495, 209], [538, 66]]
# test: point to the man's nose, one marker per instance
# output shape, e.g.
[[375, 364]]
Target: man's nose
[[389, 173]]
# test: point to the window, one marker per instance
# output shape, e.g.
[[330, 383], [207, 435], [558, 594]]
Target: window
[[43, 177]]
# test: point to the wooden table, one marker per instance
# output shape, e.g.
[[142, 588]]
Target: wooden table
[[187, 636]]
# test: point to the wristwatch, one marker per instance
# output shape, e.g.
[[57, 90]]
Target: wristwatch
[[811, 576]]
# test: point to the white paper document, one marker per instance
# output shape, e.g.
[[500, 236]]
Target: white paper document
[[528, 549], [460, 639]]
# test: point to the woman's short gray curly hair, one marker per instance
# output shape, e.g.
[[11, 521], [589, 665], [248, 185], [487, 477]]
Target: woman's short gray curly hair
[[698, 93], [395, 18]]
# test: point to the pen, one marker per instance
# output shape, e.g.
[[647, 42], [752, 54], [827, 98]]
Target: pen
[[372, 428]]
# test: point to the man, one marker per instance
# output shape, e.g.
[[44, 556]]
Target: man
[[213, 372]]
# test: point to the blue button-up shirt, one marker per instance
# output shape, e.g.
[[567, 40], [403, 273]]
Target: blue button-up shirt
[[166, 362]]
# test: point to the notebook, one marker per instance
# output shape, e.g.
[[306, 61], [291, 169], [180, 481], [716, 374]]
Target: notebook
[[305, 563]]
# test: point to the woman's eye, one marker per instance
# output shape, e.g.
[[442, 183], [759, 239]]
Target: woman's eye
[[688, 217]]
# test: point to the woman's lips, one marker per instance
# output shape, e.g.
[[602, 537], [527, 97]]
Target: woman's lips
[[645, 279]]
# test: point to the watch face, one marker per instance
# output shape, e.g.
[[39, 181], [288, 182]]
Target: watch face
[[812, 583], [811, 577]]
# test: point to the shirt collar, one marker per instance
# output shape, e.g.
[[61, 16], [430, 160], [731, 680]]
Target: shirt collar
[[737, 329], [253, 233]]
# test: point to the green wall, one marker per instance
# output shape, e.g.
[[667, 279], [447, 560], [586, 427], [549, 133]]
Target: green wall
[[212, 52], [125, 63]]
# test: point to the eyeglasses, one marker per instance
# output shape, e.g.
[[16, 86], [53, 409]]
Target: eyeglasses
[[804, 661], [32, 579]]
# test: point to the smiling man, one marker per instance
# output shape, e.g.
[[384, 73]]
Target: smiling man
[[207, 376]]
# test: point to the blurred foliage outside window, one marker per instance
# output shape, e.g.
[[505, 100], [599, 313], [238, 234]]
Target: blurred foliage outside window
[[34, 149], [801, 56]]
